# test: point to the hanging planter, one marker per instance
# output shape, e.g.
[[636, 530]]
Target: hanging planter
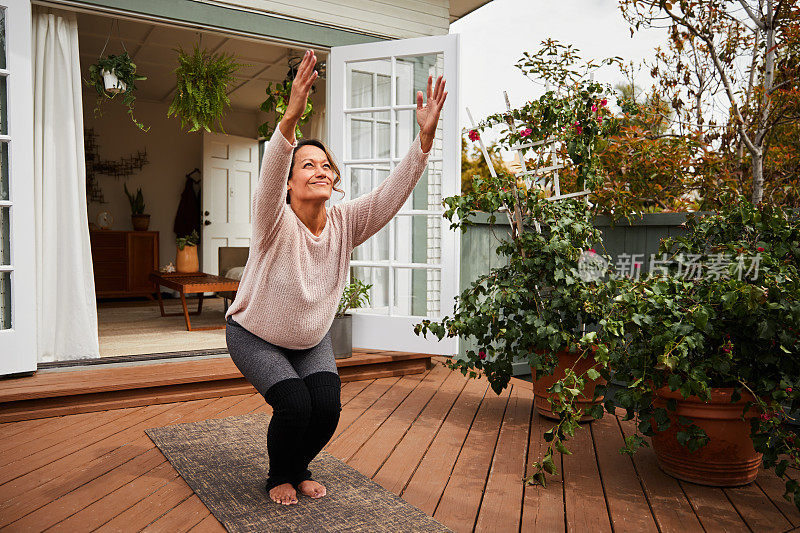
[[201, 94], [112, 76]]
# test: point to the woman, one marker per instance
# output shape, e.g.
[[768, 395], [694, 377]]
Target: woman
[[278, 325]]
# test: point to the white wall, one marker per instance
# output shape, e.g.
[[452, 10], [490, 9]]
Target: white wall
[[171, 154], [390, 18]]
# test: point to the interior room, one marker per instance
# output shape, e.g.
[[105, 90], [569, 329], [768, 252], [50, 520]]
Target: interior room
[[166, 162]]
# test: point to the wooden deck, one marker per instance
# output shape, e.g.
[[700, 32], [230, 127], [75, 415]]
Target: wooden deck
[[445, 444]]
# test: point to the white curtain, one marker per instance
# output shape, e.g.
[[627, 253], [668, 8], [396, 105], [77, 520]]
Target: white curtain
[[65, 300]]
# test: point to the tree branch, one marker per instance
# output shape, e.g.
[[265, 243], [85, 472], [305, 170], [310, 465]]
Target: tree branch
[[752, 14]]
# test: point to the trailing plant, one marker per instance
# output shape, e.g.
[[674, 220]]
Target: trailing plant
[[188, 240], [722, 311], [277, 100], [125, 70], [201, 95], [356, 294], [136, 201]]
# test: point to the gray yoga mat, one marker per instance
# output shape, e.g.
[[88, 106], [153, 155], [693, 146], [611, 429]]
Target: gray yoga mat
[[225, 462]]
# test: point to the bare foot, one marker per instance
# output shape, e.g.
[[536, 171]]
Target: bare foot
[[283, 494], [311, 488]]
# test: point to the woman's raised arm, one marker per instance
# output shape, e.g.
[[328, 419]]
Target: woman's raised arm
[[270, 194]]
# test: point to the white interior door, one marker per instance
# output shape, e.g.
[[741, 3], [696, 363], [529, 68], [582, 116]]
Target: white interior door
[[413, 262], [230, 175], [17, 252]]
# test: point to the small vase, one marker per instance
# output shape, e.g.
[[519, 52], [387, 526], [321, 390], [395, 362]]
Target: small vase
[[566, 359], [186, 260], [342, 336], [140, 222], [728, 459], [113, 84]]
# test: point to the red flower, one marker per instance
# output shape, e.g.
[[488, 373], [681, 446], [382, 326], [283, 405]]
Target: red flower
[[525, 132], [760, 248], [788, 389], [603, 102], [474, 135], [591, 250], [482, 354], [594, 107]]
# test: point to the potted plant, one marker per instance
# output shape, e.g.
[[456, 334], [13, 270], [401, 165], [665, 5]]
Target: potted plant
[[201, 94], [139, 219], [354, 296], [277, 100], [186, 259], [709, 349], [115, 75]]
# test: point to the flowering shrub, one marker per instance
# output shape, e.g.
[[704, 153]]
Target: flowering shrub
[[722, 329]]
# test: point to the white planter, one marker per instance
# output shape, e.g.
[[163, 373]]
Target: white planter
[[113, 84]]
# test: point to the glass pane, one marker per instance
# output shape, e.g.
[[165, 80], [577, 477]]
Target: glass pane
[[417, 292], [5, 236], [362, 180], [378, 277], [418, 239], [360, 89], [4, 171], [376, 248], [3, 106], [412, 75], [2, 38], [383, 90], [5, 300], [361, 126], [406, 131]]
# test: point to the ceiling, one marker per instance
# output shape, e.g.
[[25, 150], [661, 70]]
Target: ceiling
[[460, 8], [152, 48]]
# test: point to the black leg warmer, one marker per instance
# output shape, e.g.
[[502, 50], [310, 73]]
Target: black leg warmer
[[291, 414], [324, 389]]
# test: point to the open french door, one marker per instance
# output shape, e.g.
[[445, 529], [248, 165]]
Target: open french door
[[413, 262], [17, 252]]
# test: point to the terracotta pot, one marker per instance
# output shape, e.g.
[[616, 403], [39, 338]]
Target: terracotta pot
[[186, 260], [566, 359], [728, 459], [140, 222]]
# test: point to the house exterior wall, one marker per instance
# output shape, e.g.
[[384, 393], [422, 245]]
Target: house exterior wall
[[392, 19]]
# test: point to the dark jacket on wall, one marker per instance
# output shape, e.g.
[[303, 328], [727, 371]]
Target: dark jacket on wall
[[187, 219]]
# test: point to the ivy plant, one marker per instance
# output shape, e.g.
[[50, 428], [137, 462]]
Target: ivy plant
[[201, 95], [277, 100]]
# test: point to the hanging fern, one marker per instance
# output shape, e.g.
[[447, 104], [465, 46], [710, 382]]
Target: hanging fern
[[201, 96]]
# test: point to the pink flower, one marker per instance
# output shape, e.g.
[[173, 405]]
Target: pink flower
[[594, 107], [760, 248], [525, 132], [482, 354], [578, 128], [603, 102], [600, 121], [591, 250], [788, 389], [474, 135]]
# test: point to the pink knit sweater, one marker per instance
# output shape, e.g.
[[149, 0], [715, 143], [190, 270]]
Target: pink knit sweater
[[293, 280]]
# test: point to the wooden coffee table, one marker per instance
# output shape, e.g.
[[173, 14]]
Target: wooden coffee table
[[196, 283]]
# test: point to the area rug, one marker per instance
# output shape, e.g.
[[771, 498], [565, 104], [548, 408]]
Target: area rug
[[225, 462]]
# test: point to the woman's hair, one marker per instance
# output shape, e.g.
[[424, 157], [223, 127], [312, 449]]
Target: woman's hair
[[319, 144]]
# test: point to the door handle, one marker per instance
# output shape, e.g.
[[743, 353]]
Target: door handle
[[206, 213], [207, 222]]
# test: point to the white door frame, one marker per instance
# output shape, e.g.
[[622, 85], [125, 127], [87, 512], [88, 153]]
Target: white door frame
[[391, 332], [18, 345]]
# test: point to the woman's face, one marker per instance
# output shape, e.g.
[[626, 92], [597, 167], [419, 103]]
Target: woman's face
[[312, 175]]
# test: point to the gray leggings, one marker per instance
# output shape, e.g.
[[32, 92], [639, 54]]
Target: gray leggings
[[264, 364]]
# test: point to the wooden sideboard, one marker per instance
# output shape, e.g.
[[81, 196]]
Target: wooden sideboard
[[123, 262]]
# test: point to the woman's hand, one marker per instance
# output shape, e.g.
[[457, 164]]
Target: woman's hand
[[301, 87], [428, 116]]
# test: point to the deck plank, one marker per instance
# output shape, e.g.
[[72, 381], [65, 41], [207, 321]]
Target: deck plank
[[774, 488], [627, 503], [372, 454], [395, 473], [500, 509], [757, 509], [182, 517], [98, 460], [361, 402], [713, 509], [669, 505], [357, 433], [458, 507], [542, 507], [584, 498], [208, 525], [149, 509], [429, 480], [9, 429]]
